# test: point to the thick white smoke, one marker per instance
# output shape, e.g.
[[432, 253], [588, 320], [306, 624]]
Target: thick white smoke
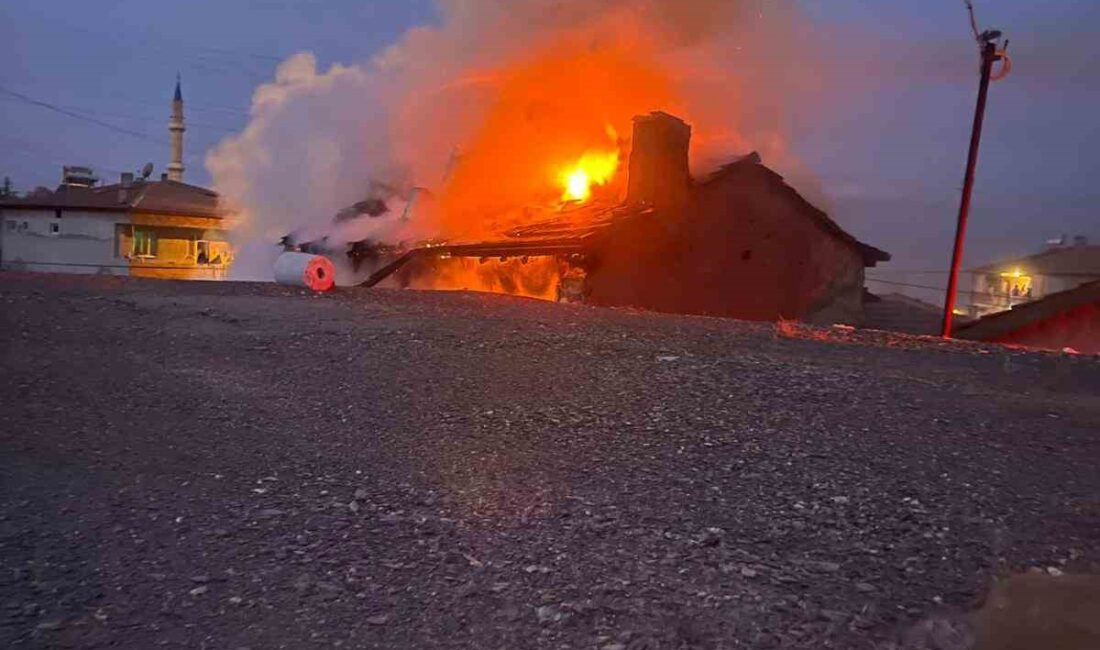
[[318, 139]]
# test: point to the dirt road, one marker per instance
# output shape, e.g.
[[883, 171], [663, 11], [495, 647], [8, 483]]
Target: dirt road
[[217, 465]]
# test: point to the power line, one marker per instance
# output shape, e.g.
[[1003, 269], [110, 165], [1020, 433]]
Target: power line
[[191, 107], [218, 109], [43, 154], [57, 109], [86, 118], [211, 59], [146, 118], [207, 59], [924, 286], [904, 284], [899, 271], [263, 57]]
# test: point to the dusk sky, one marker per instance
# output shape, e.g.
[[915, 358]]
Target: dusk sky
[[889, 153]]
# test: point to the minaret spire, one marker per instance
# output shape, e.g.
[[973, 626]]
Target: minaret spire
[[176, 129]]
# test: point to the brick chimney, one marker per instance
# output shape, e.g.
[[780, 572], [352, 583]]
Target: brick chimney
[[125, 182], [658, 170]]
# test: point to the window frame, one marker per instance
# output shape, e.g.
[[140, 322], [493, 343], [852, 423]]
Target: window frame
[[143, 243]]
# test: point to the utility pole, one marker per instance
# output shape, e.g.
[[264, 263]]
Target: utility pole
[[987, 41]]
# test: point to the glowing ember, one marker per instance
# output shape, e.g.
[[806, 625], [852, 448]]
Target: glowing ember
[[593, 168]]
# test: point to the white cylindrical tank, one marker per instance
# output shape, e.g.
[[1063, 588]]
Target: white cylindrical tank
[[304, 270]]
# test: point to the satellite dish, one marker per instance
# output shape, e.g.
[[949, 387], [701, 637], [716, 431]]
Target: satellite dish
[[147, 170]]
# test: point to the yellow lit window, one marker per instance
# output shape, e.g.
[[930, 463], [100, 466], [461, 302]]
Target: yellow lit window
[[1015, 284], [145, 243]]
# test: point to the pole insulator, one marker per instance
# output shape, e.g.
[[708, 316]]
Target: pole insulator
[[1006, 66]]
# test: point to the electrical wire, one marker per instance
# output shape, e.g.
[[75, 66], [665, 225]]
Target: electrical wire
[[901, 271], [924, 286], [73, 114], [254, 66], [190, 123], [92, 120], [43, 154], [205, 58]]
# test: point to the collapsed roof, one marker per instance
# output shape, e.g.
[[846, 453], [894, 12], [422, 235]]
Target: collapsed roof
[[577, 228]]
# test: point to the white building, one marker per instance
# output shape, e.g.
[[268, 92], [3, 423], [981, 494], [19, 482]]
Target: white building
[[1003, 285], [151, 228]]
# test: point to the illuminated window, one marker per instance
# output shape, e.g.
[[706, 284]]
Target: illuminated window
[[145, 243], [1015, 284]]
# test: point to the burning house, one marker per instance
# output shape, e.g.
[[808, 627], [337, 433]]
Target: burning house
[[739, 242]]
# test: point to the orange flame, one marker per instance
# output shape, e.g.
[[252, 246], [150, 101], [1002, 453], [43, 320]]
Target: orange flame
[[593, 168], [550, 136], [546, 136]]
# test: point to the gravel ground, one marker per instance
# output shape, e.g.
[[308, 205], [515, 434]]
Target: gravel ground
[[223, 465]]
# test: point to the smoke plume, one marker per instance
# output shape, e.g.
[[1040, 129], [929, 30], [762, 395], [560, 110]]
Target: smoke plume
[[483, 109]]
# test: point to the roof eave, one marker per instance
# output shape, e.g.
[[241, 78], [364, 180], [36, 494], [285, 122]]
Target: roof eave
[[119, 208], [871, 255]]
